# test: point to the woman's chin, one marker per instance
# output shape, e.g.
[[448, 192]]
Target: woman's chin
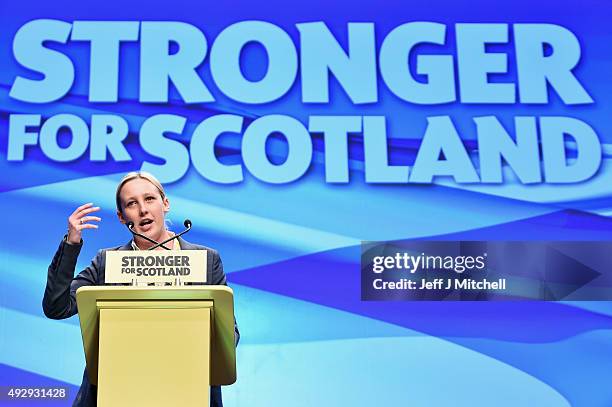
[[149, 230]]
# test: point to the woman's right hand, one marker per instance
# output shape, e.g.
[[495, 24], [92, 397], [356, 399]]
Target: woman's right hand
[[79, 221]]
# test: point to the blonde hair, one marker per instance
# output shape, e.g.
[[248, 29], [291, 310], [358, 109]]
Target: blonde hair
[[134, 175]]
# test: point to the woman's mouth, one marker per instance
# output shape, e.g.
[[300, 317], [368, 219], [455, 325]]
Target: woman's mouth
[[145, 224]]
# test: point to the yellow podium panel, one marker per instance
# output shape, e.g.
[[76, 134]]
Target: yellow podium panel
[[154, 357]]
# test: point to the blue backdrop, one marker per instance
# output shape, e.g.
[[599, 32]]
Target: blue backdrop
[[292, 251]]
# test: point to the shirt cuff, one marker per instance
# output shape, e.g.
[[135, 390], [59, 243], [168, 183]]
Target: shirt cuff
[[65, 240]]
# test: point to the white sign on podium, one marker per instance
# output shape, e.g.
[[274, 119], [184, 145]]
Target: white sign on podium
[[156, 266]]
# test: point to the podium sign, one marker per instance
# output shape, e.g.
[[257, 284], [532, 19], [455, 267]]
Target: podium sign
[[156, 266]]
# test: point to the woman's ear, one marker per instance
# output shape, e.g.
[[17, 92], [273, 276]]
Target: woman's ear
[[121, 218], [166, 205]]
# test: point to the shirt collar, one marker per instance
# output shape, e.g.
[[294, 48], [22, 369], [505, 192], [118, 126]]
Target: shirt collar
[[177, 244]]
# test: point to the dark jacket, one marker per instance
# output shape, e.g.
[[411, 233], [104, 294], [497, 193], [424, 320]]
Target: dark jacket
[[59, 301]]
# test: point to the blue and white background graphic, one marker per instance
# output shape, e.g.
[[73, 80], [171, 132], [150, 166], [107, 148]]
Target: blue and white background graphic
[[291, 251]]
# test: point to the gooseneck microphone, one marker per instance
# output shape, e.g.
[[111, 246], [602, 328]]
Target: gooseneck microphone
[[186, 223], [130, 226]]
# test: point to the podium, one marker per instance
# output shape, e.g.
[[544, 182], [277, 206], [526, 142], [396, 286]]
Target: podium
[[157, 346]]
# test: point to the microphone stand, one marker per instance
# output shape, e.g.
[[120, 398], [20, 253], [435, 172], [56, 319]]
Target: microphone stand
[[130, 226], [187, 224]]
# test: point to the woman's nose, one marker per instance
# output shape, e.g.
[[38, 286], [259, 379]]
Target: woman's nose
[[143, 210]]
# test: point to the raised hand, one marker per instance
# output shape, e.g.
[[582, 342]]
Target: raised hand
[[78, 221]]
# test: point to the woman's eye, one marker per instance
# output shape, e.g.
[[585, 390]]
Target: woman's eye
[[150, 198], [130, 203]]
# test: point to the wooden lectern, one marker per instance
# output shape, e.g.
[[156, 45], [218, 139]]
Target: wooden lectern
[[157, 346]]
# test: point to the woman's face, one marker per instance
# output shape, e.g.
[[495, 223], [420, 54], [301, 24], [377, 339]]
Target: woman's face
[[142, 204]]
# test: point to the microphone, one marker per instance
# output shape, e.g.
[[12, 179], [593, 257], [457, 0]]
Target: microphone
[[130, 226], [186, 223]]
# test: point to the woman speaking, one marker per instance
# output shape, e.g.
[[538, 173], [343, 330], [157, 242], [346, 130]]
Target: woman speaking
[[140, 200]]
